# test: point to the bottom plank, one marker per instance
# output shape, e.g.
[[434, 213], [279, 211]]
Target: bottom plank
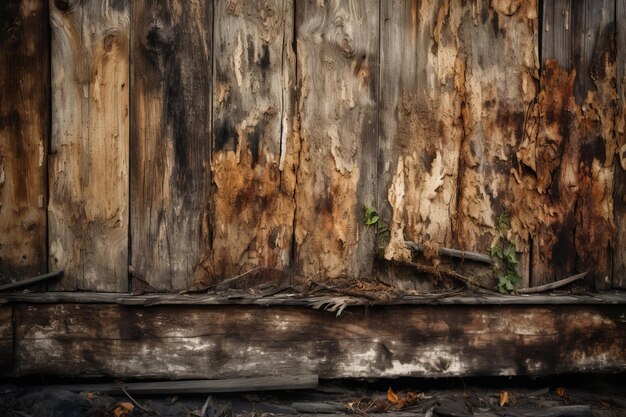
[[6, 339], [234, 341]]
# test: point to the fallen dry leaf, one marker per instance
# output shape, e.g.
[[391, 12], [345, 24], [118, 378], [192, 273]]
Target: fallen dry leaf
[[560, 391], [392, 397], [123, 409], [504, 398]]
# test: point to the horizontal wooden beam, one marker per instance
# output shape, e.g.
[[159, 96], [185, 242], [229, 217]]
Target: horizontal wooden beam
[[287, 299], [237, 341]]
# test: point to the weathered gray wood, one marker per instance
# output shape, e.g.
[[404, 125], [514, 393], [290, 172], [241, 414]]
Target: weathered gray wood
[[171, 51], [556, 411], [268, 383], [32, 280], [337, 59], [245, 341], [24, 115], [298, 300], [6, 340], [575, 145], [88, 210], [619, 193], [254, 143]]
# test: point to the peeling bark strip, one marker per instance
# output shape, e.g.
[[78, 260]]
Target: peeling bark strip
[[24, 93], [619, 192], [88, 211], [6, 340], [571, 161], [337, 53], [243, 341], [499, 85], [171, 142], [253, 162]]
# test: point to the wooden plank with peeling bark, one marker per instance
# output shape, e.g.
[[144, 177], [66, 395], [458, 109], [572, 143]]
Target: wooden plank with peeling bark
[[337, 46], [619, 192], [498, 41], [254, 144], [24, 92], [88, 166], [171, 51], [6, 340], [194, 342], [575, 144]]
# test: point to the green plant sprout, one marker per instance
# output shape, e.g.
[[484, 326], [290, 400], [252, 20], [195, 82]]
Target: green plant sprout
[[371, 218], [506, 266]]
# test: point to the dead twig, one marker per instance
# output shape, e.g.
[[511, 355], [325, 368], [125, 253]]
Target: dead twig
[[30, 281], [552, 285], [235, 278], [453, 253], [139, 406]]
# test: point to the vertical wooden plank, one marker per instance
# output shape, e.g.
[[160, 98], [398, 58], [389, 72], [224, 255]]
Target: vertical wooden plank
[[254, 143], [6, 339], [479, 74], [619, 192], [171, 142], [88, 167], [24, 89], [421, 97], [337, 73], [575, 148]]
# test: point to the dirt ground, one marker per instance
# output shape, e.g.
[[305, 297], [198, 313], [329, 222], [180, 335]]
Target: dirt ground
[[569, 396]]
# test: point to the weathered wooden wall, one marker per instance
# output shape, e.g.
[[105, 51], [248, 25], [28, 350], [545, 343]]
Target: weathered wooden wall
[[254, 134], [242, 341], [24, 89]]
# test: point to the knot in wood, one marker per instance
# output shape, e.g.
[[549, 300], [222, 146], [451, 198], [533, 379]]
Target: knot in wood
[[63, 5], [159, 40], [341, 33]]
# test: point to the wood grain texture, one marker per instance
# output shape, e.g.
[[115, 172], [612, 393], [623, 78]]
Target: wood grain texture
[[501, 70], [24, 92], [171, 143], [88, 167], [574, 148], [337, 59], [619, 191], [245, 341], [254, 144], [6, 340]]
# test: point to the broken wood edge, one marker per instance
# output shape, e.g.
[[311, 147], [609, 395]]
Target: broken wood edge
[[198, 386], [553, 285], [30, 281], [453, 253], [613, 297]]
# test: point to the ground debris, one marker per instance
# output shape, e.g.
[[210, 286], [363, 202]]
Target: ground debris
[[395, 398]]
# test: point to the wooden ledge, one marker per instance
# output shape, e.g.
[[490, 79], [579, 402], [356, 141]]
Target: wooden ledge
[[236, 341], [615, 297]]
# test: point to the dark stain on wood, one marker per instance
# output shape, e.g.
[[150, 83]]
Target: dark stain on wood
[[170, 152]]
